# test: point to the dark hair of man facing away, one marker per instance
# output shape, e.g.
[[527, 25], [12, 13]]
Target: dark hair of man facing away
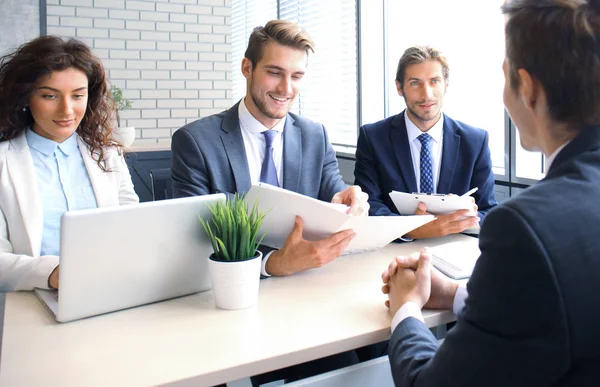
[[538, 32]]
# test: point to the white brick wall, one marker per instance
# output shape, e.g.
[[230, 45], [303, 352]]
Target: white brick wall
[[170, 57]]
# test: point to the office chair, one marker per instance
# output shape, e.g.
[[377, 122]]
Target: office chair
[[162, 187]]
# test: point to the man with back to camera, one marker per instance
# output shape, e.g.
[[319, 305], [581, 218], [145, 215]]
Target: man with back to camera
[[259, 140], [528, 314], [424, 150]]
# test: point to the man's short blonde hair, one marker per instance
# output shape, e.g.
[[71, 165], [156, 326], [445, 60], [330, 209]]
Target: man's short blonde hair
[[284, 32]]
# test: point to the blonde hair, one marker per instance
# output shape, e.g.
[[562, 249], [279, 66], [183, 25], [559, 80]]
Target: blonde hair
[[284, 32]]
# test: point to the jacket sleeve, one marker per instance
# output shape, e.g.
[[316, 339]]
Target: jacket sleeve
[[127, 193], [483, 177], [188, 168], [331, 179], [512, 330], [20, 271], [367, 177]]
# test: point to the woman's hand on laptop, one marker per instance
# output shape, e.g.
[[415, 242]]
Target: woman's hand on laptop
[[53, 279]]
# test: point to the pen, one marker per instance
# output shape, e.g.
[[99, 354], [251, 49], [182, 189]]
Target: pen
[[470, 192]]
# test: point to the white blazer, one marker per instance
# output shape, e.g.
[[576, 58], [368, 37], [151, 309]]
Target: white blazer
[[21, 216]]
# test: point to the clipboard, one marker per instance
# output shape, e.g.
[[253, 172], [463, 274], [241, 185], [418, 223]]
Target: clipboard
[[437, 204]]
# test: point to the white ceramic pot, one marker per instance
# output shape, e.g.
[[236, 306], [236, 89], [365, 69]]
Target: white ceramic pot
[[126, 136], [235, 283]]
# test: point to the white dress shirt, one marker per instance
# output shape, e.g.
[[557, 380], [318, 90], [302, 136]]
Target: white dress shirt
[[437, 134], [255, 145], [550, 159]]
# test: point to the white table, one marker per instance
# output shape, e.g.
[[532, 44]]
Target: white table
[[187, 341]]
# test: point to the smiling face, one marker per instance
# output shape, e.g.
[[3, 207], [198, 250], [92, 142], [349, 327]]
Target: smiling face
[[58, 103], [423, 91], [274, 83]]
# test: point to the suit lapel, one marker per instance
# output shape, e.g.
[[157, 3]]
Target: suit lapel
[[292, 155], [104, 190], [399, 139], [450, 147], [24, 178], [233, 142]]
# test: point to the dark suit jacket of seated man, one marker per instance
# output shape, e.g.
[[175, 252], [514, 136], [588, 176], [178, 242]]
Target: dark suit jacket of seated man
[[209, 157], [384, 163]]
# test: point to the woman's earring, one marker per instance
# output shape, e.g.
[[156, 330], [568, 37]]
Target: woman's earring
[[24, 108]]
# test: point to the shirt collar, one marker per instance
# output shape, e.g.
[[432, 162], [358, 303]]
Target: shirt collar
[[550, 159], [413, 132], [251, 124], [47, 146]]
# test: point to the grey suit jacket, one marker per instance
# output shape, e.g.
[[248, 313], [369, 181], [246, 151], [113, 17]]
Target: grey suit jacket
[[532, 317], [208, 156]]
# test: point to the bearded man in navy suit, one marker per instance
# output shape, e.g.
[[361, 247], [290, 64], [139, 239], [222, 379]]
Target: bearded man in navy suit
[[389, 154]]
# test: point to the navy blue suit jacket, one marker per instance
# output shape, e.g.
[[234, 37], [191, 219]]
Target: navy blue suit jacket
[[384, 163], [532, 316]]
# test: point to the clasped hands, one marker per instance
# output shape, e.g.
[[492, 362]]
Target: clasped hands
[[414, 279]]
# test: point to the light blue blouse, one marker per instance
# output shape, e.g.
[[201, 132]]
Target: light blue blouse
[[63, 183]]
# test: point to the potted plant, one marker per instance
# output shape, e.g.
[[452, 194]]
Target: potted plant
[[125, 135], [235, 263]]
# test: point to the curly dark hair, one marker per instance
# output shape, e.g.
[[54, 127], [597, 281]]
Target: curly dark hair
[[21, 69]]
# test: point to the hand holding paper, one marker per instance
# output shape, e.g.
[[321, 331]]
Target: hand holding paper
[[298, 254], [320, 220], [355, 199]]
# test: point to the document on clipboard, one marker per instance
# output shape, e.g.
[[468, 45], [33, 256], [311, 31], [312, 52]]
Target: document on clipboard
[[456, 259], [437, 204], [321, 219]]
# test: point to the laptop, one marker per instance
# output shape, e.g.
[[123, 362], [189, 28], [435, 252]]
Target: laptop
[[120, 257]]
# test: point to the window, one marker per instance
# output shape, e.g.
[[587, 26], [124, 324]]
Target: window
[[529, 166], [328, 94], [245, 15], [471, 35], [329, 90]]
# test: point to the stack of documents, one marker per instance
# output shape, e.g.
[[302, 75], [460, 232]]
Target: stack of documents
[[455, 259], [321, 219]]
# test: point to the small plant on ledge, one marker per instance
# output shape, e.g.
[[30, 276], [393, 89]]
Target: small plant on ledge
[[121, 103]]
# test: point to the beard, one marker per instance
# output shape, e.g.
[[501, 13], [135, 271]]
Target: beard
[[434, 116], [261, 104]]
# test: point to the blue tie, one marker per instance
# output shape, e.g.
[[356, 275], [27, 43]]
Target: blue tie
[[426, 170], [268, 173]]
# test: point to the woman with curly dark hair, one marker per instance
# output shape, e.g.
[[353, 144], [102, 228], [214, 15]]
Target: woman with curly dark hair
[[57, 154]]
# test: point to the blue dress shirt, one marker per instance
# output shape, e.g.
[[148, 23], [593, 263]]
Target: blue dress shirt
[[63, 183]]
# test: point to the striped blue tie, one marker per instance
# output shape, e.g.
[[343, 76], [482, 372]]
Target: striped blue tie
[[426, 169], [268, 173]]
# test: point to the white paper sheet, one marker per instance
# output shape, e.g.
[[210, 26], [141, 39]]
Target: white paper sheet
[[321, 219], [456, 259]]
